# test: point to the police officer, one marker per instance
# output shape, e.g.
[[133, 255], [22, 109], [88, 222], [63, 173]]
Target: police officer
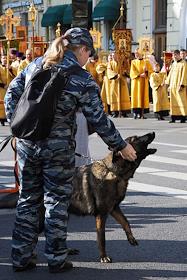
[[47, 167]]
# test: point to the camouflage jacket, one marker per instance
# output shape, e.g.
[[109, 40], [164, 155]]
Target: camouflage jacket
[[80, 92]]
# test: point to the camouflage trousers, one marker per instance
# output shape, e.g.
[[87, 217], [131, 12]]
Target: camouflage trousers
[[46, 171]]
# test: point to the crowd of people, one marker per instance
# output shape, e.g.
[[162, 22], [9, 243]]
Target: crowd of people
[[17, 62], [132, 91], [123, 93]]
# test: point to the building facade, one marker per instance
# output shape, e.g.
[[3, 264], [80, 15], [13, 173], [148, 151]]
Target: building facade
[[165, 21]]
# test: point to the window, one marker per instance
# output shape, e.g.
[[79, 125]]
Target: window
[[24, 19], [161, 14]]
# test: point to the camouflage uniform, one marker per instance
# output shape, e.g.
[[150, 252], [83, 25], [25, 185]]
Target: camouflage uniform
[[47, 166]]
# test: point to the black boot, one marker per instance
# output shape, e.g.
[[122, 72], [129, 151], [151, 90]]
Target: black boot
[[183, 119], [2, 122], [172, 120], [160, 118], [114, 114]]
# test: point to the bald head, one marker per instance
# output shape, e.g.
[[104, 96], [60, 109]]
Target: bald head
[[28, 54]]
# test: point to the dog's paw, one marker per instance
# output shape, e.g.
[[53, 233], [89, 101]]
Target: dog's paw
[[106, 259], [72, 251], [132, 241]]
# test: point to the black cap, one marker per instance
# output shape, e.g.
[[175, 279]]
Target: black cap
[[13, 52], [19, 54], [80, 36]]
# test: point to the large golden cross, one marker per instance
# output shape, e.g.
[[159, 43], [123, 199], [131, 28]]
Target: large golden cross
[[9, 21]]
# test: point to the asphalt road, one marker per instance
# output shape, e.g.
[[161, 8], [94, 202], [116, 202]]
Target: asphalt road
[[155, 206]]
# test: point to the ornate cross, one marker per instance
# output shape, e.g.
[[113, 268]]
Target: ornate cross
[[9, 20]]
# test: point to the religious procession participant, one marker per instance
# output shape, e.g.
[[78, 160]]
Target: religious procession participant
[[12, 55], [24, 63], [13, 61], [152, 59], [177, 81], [183, 54], [15, 64], [91, 68], [119, 92], [159, 91], [140, 72], [4, 82], [167, 62], [105, 92]]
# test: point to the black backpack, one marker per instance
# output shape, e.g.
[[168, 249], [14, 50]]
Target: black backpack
[[34, 113]]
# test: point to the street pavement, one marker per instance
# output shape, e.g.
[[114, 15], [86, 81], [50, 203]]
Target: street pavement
[[155, 206]]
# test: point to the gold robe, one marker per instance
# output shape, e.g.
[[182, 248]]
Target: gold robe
[[178, 99], [105, 96], [3, 86], [159, 92], [140, 86], [91, 68], [23, 64], [119, 92], [14, 66]]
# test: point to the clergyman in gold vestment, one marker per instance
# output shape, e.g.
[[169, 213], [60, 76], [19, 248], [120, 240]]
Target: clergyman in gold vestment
[[4, 82], [139, 73], [119, 92], [177, 81], [159, 92]]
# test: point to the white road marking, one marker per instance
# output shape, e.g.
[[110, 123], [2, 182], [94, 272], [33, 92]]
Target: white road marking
[[10, 185], [171, 145], [173, 175], [163, 173], [142, 169], [175, 130], [167, 160], [7, 180], [179, 151], [7, 163], [135, 186]]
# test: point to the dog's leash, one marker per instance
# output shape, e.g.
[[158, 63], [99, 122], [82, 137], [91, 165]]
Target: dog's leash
[[10, 137], [4, 143], [83, 156]]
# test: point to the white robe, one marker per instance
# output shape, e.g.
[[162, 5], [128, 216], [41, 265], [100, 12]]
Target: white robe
[[81, 138]]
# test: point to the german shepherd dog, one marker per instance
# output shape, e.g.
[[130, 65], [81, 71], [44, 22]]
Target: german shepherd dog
[[98, 189], [101, 186]]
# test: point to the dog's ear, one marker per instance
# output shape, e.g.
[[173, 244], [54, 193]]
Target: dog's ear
[[131, 139]]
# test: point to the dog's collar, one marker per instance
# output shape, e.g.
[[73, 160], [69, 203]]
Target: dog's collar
[[113, 168]]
